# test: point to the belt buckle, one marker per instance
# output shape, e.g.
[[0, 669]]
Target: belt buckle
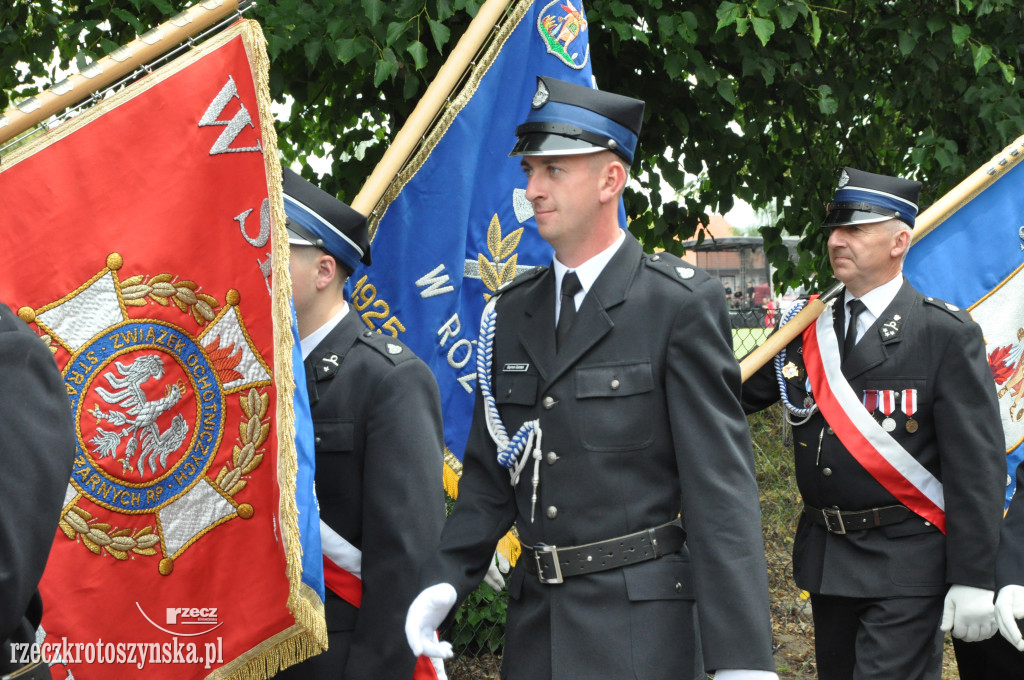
[[834, 521], [542, 549]]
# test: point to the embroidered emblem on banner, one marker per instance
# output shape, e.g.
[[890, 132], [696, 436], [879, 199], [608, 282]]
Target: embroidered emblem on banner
[[563, 28], [502, 266], [152, 402], [999, 314]]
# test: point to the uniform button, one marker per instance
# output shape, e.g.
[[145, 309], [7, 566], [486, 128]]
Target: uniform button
[[655, 258], [548, 402], [551, 457], [679, 587], [829, 430], [827, 472], [552, 512], [317, 440], [614, 383]]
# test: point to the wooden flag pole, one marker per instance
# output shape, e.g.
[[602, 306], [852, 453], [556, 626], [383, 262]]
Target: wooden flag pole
[[785, 335], [120, 62], [430, 103], [935, 215]]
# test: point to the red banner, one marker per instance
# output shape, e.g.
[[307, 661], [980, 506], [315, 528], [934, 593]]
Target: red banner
[[140, 239]]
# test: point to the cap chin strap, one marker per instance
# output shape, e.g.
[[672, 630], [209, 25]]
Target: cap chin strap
[[300, 231]]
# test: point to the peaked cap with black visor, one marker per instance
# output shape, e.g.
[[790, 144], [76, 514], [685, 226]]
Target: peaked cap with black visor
[[316, 218], [864, 198], [567, 119]]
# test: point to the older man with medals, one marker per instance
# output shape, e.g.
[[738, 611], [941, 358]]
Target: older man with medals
[[898, 451]]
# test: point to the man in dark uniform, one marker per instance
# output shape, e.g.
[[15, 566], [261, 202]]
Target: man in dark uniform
[[379, 448], [898, 451], [37, 447], [626, 416], [1005, 660]]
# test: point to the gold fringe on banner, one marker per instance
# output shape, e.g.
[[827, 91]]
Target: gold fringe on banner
[[453, 109], [309, 636], [509, 545]]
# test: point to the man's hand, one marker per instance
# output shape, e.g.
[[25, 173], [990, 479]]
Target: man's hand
[[495, 576], [426, 613], [969, 613], [1009, 608]]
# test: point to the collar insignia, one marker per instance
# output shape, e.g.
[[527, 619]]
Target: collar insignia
[[890, 328]]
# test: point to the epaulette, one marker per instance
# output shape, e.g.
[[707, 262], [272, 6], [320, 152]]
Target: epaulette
[[676, 269], [394, 350], [528, 275], [957, 313]]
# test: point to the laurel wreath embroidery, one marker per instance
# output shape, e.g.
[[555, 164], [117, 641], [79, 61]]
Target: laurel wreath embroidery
[[99, 536], [137, 291], [252, 434], [496, 274]]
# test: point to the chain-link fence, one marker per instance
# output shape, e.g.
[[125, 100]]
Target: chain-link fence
[[478, 631]]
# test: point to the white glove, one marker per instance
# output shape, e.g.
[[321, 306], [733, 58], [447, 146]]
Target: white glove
[[426, 613], [732, 674], [495, 576], [970, 613], [1009, 608]]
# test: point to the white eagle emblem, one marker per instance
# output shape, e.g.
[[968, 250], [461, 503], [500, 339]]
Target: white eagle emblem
[[140, 417]]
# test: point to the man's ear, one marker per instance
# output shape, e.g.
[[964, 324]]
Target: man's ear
[[327, 271], [612, 180], [900, 244]]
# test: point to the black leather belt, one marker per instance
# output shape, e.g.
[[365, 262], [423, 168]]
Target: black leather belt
[[552, 564], [840, 521]]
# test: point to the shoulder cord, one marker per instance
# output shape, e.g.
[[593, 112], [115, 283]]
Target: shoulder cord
[[792, 412], [510, 451]]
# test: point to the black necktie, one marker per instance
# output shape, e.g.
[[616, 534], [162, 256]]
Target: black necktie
[[856, 307], [567, 306]]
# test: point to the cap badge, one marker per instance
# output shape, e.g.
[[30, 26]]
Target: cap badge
[[540, 97], [685, 272], [844, 179]]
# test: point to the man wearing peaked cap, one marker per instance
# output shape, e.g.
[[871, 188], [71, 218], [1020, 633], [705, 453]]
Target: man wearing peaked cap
[[898, 452], [379, 449], [319, 219], [615, 371]]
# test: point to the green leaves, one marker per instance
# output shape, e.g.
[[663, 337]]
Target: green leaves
[[757, 100]]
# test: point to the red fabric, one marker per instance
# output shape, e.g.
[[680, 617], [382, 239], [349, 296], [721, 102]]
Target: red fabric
[[855, 442], [342, 583], [350, 588], [142, 182]]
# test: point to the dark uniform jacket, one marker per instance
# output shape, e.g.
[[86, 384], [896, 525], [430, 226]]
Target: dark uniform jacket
[[379, 460], [640, 418], [37, 447], [939, 351], [1010, 565]]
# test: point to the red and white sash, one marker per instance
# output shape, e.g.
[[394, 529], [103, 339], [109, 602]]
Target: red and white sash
[[343, 563], [883, 457]]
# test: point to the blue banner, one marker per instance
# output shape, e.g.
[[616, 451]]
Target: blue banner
[[305, 493], [460, 224], [974, 259]]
